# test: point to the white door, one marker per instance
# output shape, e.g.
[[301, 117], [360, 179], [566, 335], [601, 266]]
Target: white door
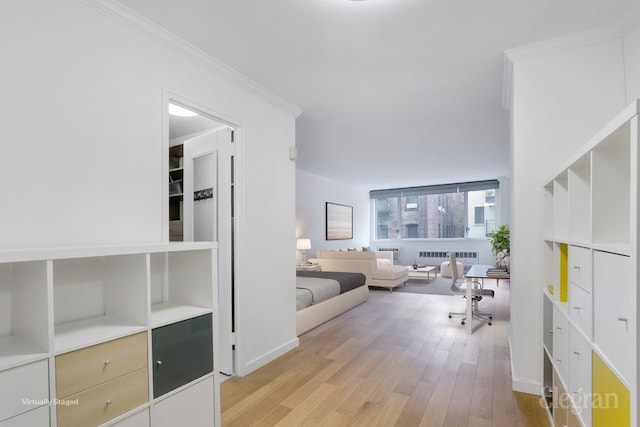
[[209, 157]]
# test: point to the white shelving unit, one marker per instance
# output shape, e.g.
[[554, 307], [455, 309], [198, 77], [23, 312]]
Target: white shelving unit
[[590, 253], [54, 302]]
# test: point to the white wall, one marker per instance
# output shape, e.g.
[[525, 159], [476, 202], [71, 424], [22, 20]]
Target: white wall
[[312, 192], [82, 121], [559, 100], [632, 62]]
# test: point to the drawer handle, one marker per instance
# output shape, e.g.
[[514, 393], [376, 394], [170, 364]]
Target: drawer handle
[[577, 308], [550, 331], [577, 267], [623, 319], [108, 402], [106, 362], [158, 364]]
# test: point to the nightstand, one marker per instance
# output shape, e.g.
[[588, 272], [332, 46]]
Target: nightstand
[[308, 267]]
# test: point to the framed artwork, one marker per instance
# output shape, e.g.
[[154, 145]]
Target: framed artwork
[[339, 221]]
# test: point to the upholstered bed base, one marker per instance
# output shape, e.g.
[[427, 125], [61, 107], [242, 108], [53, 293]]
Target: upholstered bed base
[[315, 315]]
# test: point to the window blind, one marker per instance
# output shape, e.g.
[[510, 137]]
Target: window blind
[[435, 189]]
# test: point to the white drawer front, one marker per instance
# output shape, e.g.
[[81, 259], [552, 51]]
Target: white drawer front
[[24, 388], [579, 361], [561, 343], [186, 405], [581, 309], [580, 267], [139, 419], [614, 318], [581, 397], [37, 417]]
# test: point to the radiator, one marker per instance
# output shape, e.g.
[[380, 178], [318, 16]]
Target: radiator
[[438, 257], [395, 251]]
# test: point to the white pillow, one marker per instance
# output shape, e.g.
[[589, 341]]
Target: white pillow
[[383, 261]]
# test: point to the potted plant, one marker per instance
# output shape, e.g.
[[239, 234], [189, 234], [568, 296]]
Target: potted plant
[[501, 245]]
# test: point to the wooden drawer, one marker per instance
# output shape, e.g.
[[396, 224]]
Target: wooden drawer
[[24, 382], [580, 267], [88, 367], [581, 309], [99, 404]]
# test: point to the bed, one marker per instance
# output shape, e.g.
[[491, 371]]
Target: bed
[[323, 295]]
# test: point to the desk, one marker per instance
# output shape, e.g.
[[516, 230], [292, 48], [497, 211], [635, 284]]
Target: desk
[[476, 272]]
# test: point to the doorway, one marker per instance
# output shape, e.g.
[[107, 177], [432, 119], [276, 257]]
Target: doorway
[[200, 203]]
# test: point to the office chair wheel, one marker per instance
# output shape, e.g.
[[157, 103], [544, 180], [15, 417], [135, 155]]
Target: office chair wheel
[[449, 316], [489, 323], [462, 322]]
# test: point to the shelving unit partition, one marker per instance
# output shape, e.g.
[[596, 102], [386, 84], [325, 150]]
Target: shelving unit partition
[[590, 255]]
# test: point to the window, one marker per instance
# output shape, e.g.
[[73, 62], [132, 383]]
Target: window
[[383, 231], [411, 202], [412, 231], [435, 212], [478, 215], [490, 196]]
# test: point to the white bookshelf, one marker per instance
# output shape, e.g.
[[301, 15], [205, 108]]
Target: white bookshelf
[[590, 255], [54, 302]]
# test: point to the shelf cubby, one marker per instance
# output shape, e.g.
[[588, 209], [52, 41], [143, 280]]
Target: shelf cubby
[[611, 189], [548, 212], [559, 270], [180, 285], [548, 266], [98, 299], [24, 313]]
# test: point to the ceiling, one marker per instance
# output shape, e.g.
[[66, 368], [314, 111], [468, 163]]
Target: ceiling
[[394, 92], [185, 126]]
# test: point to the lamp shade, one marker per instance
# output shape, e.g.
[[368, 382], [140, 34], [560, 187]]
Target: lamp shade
[[303, 244]]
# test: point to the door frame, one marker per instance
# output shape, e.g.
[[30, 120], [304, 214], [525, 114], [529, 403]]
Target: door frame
[[237, 235]]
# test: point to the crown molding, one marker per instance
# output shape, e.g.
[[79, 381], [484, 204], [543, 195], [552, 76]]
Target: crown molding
[[131, 19], [631, 16], [559, 44]]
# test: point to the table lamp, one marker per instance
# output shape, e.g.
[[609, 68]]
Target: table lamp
[[303, 245]]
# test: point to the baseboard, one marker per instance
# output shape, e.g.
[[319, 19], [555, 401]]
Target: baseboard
[[521, 385], [524, 386], [269, 357]]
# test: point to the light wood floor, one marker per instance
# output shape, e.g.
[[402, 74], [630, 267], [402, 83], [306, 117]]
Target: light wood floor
[[396, 360]]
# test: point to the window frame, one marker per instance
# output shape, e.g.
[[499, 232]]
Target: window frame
[[398, 220]]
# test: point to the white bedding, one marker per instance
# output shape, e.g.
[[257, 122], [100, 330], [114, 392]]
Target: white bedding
[[312, 290]]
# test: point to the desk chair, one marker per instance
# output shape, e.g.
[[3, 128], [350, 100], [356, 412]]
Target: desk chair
[[478, 292]]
